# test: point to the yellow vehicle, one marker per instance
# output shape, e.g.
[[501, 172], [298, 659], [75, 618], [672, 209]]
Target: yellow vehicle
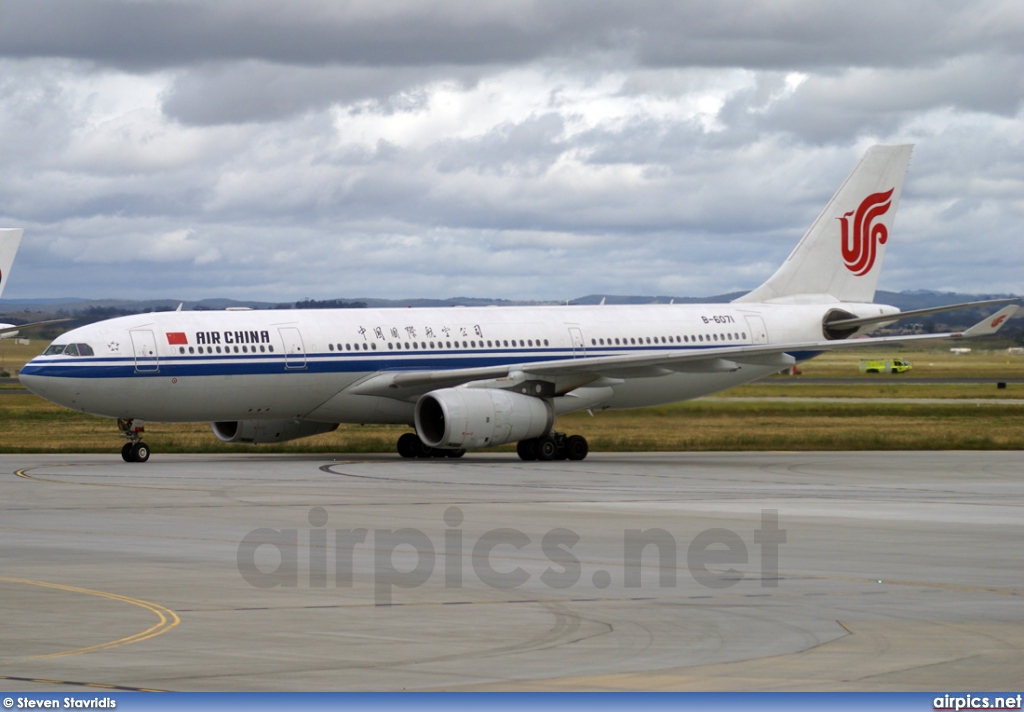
[[895, 365]]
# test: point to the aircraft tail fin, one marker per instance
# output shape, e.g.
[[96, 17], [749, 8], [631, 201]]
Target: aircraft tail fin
[[840, 256], [10, 239]]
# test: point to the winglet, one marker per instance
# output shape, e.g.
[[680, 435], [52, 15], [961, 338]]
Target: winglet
[[10, 238], [991, 324]]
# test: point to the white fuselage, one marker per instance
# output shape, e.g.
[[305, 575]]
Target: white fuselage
[[245, 365]]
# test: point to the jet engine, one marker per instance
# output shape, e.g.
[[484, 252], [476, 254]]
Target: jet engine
[[268, 431], [457, 418]]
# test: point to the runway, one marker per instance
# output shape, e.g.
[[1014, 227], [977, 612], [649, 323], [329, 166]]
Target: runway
[[669, 571]]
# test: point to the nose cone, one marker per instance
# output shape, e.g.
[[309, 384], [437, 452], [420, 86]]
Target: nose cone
[[39, 377]]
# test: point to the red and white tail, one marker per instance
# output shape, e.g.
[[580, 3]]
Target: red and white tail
[[840, 256], [10, 239]]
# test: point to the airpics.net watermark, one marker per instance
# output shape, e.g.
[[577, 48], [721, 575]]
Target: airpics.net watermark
[[269, 558]]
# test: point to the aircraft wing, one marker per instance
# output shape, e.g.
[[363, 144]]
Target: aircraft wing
[[566, 374], [887, 318], [11, 328]]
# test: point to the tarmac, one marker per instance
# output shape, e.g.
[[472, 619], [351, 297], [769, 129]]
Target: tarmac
[[667, 571]]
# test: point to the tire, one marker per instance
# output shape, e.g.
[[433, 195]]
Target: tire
[[576, 447], [423, 450], [126, 453], [455, 453], [407, 445], [546, 449], [140, 452], [525, 450]]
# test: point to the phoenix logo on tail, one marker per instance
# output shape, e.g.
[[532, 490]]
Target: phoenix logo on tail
[[860, 248]]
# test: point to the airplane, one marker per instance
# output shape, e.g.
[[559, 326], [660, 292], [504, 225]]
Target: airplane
[[477, 377]]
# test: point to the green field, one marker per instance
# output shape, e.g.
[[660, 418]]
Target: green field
[[31, 424]]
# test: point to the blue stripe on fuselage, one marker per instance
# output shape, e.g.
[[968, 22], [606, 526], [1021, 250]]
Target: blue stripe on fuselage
[[227, 365]]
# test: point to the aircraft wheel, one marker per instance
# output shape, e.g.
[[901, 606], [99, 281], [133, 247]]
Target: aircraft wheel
[[140, 452], [525, 450], [455, 453], [408, 444], [126, 453], [423, 450], [546, 448], [576, 447]]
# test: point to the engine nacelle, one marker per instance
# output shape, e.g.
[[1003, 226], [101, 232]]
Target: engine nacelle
[[459, 418], [268, 431]]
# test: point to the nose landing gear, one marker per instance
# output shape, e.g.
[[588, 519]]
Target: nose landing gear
[[134, 450]]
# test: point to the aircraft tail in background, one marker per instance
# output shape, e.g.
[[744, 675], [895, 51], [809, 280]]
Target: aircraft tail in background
[[840, 256], [10, 239]]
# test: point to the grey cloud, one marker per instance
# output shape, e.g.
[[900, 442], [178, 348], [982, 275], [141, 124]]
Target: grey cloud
[[804, 35], [527, 148], [143, 36], [858, 101], [254, 91]]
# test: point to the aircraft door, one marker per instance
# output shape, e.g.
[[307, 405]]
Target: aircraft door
[[144, 345], [294, 350], [758, 331], [578, 348]]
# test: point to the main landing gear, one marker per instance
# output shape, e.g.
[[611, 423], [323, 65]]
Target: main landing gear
[[556, 446], [134, 450], [409, 445]]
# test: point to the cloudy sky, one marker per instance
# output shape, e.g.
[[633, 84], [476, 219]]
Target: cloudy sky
[[271, 150]]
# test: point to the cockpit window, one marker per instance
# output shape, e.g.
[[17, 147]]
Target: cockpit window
[[69, 350]]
